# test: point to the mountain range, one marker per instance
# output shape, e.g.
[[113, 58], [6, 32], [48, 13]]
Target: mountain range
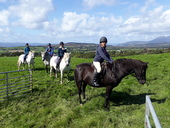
[[161, 41]]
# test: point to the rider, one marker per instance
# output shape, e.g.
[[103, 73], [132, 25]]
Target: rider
[[50, 49], [26, 51], [100, 56], [61, 51]]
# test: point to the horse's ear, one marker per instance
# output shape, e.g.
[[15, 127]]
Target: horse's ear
[[146, 62]]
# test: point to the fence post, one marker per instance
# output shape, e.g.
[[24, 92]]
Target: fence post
[[30, 79], [7, 85], [150, 109]]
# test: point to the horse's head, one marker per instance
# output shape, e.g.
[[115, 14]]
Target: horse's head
[[31, 53], [43, 55], [140, 72], [67, 58]]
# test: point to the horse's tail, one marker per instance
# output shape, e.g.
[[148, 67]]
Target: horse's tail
[[76, 74]]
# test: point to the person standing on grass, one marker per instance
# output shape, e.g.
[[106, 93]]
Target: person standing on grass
[[26, 51], [61, 51], [50, 50], [100, 56]]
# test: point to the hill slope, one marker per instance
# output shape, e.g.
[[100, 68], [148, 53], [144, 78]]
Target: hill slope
[[162, 41]]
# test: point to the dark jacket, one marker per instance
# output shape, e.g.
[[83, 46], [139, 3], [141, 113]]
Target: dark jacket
[[50, 50], [101, 55], [61, 52], [26, 50]]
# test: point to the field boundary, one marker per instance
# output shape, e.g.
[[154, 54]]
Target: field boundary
[[150, 109], [17, 85]]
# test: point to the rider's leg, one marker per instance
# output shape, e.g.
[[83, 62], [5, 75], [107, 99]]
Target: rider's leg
[[58, 62], [97, 74], [25, 56]]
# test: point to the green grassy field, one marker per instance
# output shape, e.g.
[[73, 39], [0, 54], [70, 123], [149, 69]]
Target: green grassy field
[[52, 105]]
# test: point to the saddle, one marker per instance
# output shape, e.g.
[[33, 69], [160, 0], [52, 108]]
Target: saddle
[[104, 66]]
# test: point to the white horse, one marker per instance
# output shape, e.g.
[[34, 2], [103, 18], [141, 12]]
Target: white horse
[[63, 67], [46, 58], [29, 60]]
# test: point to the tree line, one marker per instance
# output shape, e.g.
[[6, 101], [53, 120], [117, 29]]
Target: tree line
[[91, 54]]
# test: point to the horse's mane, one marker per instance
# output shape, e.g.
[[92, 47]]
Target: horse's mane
[[127, 63], [66, 55]]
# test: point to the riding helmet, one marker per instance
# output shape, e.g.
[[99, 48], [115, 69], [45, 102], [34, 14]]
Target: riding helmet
[[49, 44], [61, 43], [103, 39], [27, 44]]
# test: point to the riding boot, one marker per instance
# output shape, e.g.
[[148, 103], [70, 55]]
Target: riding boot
[[96, 79], [57, 65]]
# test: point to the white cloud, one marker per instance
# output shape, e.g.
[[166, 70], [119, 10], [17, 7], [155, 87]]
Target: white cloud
[[148, 4], [93, 3], [71, 20], [31, 13], [86, 25], [4, 14]]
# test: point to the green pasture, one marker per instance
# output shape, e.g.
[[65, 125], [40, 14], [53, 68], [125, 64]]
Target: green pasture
[[52, 105]]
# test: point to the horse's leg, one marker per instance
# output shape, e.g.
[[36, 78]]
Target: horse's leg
[[23, 65], [108, 93], [46, 68], [33, 66], [84, 89], [29, 65], [51, 70], [19, 64], [61, 80], [79, 87], [68, 75]]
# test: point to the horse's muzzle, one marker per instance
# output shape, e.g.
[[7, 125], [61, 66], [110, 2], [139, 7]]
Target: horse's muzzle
[[142, 81]]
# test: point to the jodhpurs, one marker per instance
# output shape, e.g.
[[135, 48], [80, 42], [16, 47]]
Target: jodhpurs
[[97, 66], [25, 56], [58, 60]]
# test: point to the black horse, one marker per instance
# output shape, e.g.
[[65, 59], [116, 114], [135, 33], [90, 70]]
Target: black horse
[[111, 75]]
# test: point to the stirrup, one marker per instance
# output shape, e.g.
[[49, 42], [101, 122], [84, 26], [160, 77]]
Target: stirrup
[[96, 84]]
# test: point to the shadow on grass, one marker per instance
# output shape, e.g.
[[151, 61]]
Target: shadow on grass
[[123, 98], [39, 69]]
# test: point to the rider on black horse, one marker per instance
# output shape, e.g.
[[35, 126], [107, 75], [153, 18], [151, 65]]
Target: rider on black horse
[[100, 56]]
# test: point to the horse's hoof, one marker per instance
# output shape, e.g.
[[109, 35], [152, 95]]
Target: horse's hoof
[[81, 104], [107, 109]]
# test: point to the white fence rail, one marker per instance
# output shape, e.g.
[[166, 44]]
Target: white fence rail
[[15, 83], [150, 109]]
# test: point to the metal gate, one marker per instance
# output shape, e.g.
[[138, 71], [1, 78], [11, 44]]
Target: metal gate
[[15, 83]]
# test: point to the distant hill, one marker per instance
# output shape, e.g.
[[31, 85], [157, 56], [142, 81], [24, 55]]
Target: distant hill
[[162, 41], [18, 44]]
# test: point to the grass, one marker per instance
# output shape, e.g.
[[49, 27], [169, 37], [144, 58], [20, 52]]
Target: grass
[[54, 105]]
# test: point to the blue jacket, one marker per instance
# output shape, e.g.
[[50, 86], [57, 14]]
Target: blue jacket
[[61, 52], [50, 50], [101, 55], [26, 50]]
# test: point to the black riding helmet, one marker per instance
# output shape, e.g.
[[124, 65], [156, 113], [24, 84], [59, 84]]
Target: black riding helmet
[[103, 39], [49, 44], [61, 43]]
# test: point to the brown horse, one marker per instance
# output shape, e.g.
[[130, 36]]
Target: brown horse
[[111, 75]]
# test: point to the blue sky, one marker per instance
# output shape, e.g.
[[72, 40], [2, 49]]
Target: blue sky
[[44, 21]]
